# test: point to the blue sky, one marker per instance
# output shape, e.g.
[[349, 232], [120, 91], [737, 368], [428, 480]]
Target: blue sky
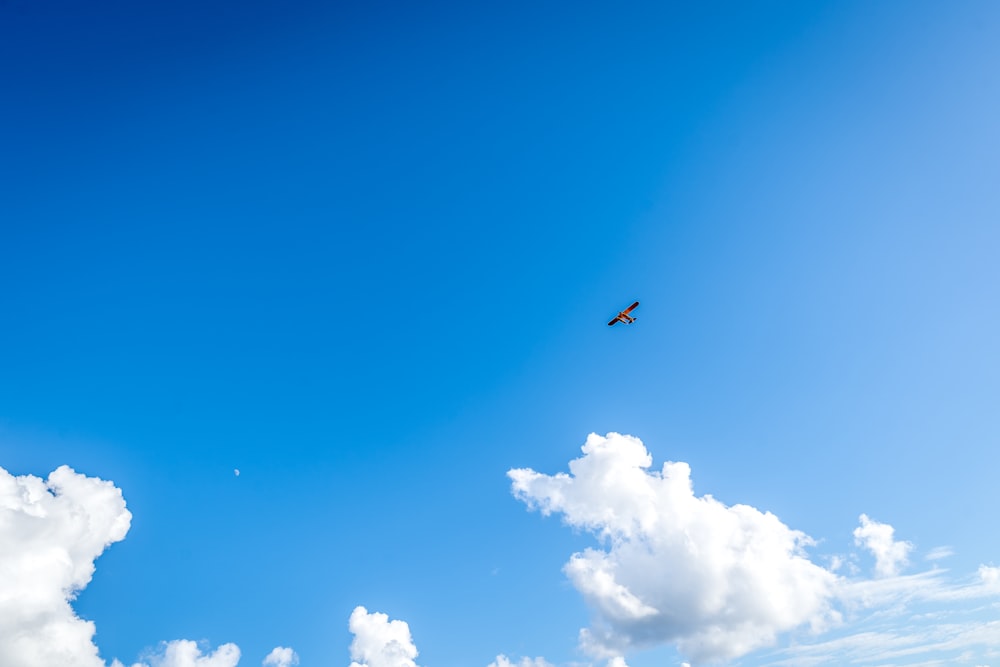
[[366, 254]]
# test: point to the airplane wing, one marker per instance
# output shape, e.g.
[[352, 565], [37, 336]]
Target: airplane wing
[[613, 322], [629, 309]]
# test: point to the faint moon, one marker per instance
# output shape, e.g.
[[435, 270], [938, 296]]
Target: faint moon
[[236, 471]]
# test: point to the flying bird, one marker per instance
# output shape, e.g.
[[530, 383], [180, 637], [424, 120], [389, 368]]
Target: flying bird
[[624, 316]]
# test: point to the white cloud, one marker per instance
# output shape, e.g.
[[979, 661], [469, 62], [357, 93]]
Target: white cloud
[[902, 591], [504, 661], [990, 576], [186, 653], [717, 580], [281, 657], [379, 642], [938, 553], [51, 531], [913, 643], [890, 555], [721, 581]]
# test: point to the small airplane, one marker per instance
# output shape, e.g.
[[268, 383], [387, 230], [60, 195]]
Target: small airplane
[[624, 316]]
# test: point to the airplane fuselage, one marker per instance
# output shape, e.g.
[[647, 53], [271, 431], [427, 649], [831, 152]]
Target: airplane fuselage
[[623, 316]]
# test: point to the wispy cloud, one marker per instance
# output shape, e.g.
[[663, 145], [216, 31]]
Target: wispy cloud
[[939, 553], [910, 644]]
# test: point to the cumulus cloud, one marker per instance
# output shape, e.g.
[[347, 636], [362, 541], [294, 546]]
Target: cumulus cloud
[[721, 581], [379, 642], [51, 531], [186, 653], [717, 580], [990, 576], [890, 555], [281, 657], [504, 661]]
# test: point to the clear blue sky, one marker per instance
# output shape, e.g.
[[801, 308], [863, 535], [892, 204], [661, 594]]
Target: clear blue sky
[[365, 254]]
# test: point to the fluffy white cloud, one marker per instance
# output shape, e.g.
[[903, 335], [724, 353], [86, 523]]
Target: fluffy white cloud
[[990, 576], [379, 642], [504, 661], [186, 653], [890, 555], [51, 531], [717, 580], [720, 581], [281, 657]]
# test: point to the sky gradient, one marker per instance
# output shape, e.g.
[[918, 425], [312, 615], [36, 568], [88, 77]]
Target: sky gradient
[[365, 254]]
